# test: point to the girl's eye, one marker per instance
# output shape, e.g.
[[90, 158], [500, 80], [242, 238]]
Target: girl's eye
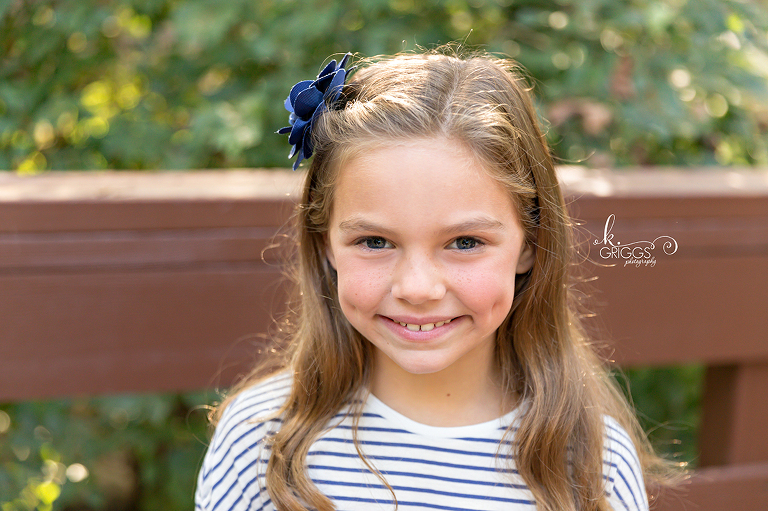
[[374, 243], [465, 243]]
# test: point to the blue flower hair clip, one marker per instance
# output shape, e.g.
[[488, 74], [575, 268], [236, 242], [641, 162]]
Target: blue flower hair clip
[[307, 100]]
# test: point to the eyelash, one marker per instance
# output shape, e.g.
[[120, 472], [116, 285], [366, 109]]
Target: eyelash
[[364, 242], [476, 243]]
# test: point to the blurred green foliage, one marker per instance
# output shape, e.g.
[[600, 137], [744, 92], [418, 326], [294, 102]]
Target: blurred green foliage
[[116, 453], [170, 84], [668, 404]]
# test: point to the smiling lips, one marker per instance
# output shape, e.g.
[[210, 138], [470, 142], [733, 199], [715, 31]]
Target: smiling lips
[[423, 328]]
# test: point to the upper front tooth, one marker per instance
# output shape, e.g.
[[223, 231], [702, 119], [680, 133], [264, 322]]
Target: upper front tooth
[[424, 328]]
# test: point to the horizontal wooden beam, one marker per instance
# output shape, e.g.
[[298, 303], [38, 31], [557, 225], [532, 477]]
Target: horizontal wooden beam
[[130, 282], [737, 487], [101, 271], [150, 329]]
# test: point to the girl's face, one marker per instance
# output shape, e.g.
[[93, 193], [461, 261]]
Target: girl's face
[[426, 245]]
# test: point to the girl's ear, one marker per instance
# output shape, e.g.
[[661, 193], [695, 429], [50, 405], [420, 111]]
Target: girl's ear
[[329, 251], [526, 259]]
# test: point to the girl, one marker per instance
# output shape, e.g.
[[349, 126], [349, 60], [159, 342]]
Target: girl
[[435, 359]]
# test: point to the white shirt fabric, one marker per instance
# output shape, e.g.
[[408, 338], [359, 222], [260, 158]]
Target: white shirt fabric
[[430, 468]]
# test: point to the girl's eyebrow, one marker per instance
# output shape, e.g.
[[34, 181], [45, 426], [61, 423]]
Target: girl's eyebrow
[[356, 224], [476, 224], [353, 225]]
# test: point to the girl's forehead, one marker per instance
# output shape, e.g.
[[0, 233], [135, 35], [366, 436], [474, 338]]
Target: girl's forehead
[[432, 162], [410, 183]]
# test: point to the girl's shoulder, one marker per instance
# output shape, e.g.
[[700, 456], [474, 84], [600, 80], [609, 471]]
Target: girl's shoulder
[[623, 471], [251, 415], [231, 476], [256, 403]]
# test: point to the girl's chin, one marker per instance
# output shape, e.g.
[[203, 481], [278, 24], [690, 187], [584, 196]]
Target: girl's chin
[[418, 366], [422, 370]]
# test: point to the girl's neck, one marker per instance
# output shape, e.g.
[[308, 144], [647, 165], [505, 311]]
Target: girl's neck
[[460, 395]]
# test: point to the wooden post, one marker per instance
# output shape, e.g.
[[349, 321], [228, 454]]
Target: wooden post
[[735, 414]]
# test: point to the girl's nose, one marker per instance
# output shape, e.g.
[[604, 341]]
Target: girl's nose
[[418, 280]]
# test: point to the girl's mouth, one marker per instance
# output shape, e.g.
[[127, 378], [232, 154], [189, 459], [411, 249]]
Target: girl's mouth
[[423, 328]]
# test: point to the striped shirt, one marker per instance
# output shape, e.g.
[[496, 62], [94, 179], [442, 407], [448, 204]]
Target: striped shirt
[[429, 468]]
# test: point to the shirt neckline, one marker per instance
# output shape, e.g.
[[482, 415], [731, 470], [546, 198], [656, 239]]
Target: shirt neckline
[[493, 427]]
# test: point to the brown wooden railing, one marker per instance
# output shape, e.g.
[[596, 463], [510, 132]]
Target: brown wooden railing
[[123, 282]]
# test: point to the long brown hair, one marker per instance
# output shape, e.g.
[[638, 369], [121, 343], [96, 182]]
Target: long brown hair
[[542, 349]]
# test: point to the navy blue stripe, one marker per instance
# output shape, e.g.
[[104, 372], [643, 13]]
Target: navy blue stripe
[[360, 499], [246, 433], [420, 476], [634, 476], [232, 465], [371, 428], [258, 494], [619, 432], [240, 421], [629, 448], [221, 479], [614, 465], [242, 453], [215, 506], [398, 488], [247, 411], [419, 504], [363, 414], [237, 478], [406, 432], [631, 493], [275, 390], [253, 426], [621, 499], [411, 460], [508, 443], [414, 446]]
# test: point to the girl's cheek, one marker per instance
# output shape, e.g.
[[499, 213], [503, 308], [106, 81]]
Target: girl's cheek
[[484, 288], [361, 286]]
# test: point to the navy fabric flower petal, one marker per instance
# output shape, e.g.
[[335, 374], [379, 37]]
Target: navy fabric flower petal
[[306, 146], [334, 90], [321, 83], [297, 132], [320, 108], [330, 68], [298, 160], [307, 100], [343, 62], [295, 91]]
